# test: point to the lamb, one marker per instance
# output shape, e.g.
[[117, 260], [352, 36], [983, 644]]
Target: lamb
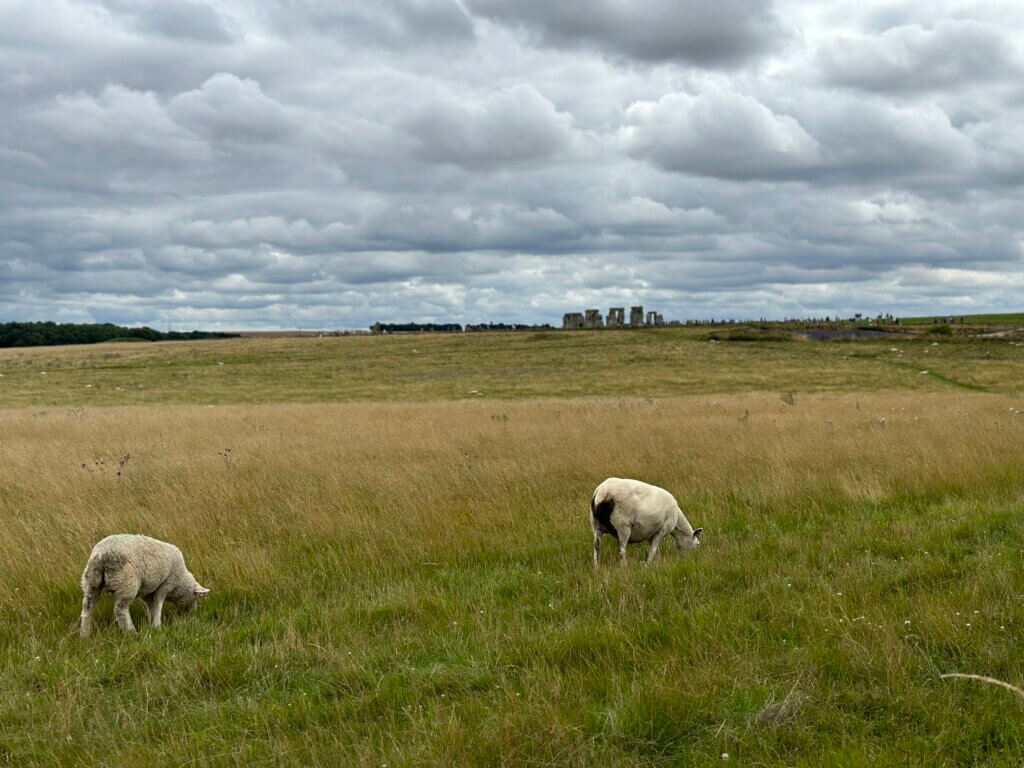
[[633, 511], [134, 566]]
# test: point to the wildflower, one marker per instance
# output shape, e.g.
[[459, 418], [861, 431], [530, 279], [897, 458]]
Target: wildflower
[[907, 621]]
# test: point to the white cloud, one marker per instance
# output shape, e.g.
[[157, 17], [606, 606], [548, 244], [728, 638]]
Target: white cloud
[[724, 32], [952, 54], [234, 164], [718, 134], [229, 108], [514, 125]]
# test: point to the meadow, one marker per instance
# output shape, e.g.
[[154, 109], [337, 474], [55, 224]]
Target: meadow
[[395, 532], [1000, 320]]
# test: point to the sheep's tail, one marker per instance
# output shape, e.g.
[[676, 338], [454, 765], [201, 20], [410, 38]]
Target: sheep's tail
[[602, 510], [95, 574]]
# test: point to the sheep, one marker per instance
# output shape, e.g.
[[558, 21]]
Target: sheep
[[134, 566], [633, 511]]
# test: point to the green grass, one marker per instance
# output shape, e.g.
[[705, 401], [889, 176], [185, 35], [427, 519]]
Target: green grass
[[654, 363], [1008, 318], [402, 577]]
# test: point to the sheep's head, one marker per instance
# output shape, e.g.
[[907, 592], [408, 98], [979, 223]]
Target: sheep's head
[[692, 541], [188, 597]]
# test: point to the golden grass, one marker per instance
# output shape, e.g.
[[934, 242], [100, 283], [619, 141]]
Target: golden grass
[[405, 481], [410, 583], [657, 363]]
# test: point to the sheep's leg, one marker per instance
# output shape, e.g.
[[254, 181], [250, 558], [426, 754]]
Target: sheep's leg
[[89, 599], [623, 536], [121, 613], [597, 549], [156, 606], [655, 542]]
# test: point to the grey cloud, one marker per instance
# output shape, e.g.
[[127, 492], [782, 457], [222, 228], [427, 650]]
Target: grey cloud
[[718, 134], [298, 233], [707, 34], [117, 119], [180, 19], [642, 214], [910, 58], [66, 46], [206, 263], [333, 165], [390, 23], [514, 125], [229, 108], [867, 139], [839, 140]]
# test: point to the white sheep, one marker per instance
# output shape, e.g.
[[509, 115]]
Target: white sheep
[[134, 566], [633, 511]]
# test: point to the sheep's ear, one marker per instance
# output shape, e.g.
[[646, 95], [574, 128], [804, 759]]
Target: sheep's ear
[[697, 533], [198, 590]]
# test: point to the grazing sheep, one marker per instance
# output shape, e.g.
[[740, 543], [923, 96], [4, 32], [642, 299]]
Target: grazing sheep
[[633, 511], [134, 566]]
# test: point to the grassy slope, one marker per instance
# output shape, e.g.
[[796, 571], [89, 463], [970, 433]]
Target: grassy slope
[[408, 583], [658, 363], [1010, 318]]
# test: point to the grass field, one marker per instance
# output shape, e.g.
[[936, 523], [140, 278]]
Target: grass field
[[1009, 318], [431, 367], [401, 570]]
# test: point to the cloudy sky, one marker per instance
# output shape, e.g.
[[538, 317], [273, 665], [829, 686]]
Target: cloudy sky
[[328, 163]]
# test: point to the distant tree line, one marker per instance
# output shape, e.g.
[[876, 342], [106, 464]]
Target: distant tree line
[[452, 327], [49, 334], [508, 327], [416, 328]]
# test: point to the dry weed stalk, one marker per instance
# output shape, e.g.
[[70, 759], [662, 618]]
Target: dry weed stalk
[[984, 679]]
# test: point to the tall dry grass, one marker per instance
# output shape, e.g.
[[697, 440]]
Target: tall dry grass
[[383, 482], [386, 578]]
